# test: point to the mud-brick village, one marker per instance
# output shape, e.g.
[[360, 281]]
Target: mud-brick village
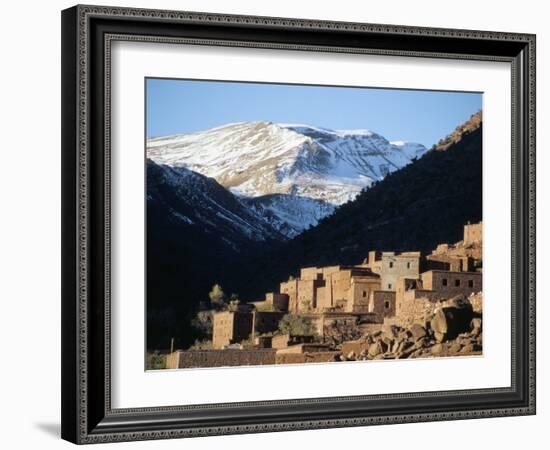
[[389, 306]]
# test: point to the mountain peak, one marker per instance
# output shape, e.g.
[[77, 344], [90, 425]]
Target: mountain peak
[[261, 158], [300, 164]]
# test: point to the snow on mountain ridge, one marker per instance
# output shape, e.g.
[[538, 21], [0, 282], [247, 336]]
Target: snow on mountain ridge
[[341, 133], [297, 161]]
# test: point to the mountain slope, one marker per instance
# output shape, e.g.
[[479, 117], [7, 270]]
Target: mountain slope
[[415, 208], [289, 214], [198, 234], [421, 205], [256, 160], [199, 201]]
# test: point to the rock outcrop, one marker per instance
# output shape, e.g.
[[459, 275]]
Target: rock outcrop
[[454, 329]]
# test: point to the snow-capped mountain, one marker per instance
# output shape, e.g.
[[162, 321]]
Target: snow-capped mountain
[[293, 175]]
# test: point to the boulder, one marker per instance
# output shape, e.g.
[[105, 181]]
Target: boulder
[[397, 345], [406, 353], [421, 343], [458, 301], [406, 345], [477, 302], [439, 337], [418, 332], [354, 346], [404, 334], [451, 320], [377, 348], [475, 326], [455, 347], [437, 349], [470, 348], [390, 331], [424, 323], [374, 349]]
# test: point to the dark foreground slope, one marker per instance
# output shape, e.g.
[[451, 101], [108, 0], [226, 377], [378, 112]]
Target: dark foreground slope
[[197, 235]]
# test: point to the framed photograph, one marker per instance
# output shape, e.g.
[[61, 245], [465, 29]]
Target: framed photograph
[[280, 224]]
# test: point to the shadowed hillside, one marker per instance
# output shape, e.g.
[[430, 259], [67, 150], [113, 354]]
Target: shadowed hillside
[[198, 234]]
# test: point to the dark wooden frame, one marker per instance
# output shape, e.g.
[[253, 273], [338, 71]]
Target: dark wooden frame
[[87, 32]]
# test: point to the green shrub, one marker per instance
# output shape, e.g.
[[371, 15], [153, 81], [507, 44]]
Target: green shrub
[[296, 325], [155, 361], [204, 344]]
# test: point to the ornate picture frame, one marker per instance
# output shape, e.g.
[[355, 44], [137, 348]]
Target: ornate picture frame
[[88, 415]]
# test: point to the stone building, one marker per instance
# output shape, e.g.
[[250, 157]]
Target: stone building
[[448, 284], [232, 327], [453, 263], [290, 288], [286, 340], [382, 303], [392, 266], [348, 290], [343, 288], [415, 298], [437, 284], [263, 341], [473, 233], [273, 301], [463, 256], [279, 302]]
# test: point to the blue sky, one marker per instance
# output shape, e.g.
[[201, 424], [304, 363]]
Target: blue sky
[[182, 106]]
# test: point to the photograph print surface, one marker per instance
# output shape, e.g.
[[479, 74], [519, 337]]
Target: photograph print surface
[[293, 224]]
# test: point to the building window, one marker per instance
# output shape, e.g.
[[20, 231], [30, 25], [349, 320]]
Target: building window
[[364, 293], [408, 265], [391, 264], [389, 285], [387, 305], [444, 282], [457, 283], [470, 283]]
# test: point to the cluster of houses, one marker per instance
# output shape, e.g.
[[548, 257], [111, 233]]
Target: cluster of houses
[[384, 287]]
